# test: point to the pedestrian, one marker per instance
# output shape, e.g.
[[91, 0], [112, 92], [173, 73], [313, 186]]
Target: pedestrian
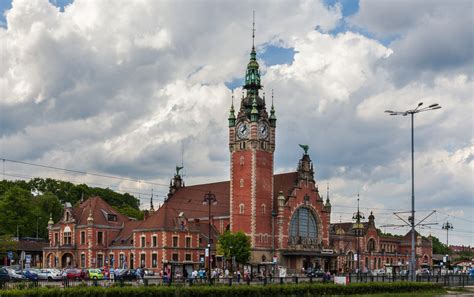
[[238, 276]]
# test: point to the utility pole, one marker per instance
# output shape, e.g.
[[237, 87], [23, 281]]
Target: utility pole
[[447, 226]]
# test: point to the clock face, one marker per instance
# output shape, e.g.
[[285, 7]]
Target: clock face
[[243, 130], [262, 130]]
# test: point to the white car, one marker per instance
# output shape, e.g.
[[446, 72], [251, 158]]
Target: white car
[[14, 275], [48, 274]]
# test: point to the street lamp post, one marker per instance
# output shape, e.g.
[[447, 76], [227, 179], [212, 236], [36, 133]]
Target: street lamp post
[[358, 228], [412, 112], [209, 199]]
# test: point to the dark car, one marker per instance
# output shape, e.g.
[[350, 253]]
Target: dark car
[[126, 275], [4, 276], [314, 273], [29, 275]]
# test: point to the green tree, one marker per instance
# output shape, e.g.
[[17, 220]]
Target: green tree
[[43, 206], [131, 212], [7, 243], [439, 247], [234, 245], [17, 212]]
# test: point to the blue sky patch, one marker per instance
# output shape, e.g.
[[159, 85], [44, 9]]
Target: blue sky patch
[[7, 4], [274, 55]]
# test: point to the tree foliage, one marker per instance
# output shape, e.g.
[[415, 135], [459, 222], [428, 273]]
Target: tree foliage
[[234, 245], [439, 247], [27, 205]]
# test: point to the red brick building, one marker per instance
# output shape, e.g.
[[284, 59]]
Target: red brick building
[[286, 218]]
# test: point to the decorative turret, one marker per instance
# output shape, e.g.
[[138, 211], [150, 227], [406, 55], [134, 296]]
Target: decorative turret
[[232, 112], [281, 200], [327, 205], [371, 219], [272, 114], [152, 208], [50, 222], [252, 74], [176, 182], [305, 166], [90, 218]]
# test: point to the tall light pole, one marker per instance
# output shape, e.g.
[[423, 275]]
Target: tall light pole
[[209, 199], [358, 229], [412, 112]]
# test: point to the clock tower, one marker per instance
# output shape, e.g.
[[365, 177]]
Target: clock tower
[[251, 144]]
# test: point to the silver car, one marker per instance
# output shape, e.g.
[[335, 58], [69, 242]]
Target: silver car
[[48, 274]]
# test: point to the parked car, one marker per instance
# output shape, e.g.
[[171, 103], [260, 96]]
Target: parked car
[[126, 274], [14, 276], [48, 274], [73, 273], [30, 275], [95, 273], [310, 272], [149, 272], [404, 273], [4, 276]]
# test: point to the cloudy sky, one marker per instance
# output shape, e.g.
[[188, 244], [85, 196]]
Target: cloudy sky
[[133, 88]]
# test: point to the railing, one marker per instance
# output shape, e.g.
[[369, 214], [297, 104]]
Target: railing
[[449, 280]]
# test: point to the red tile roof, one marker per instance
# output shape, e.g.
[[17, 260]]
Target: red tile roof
[[100, 209]]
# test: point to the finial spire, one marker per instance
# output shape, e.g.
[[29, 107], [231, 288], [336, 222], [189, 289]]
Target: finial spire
[[327, 193], [253, 31], [151, 201]]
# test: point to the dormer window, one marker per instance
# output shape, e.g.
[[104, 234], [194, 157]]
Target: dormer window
[[112, 217], [67, 216]]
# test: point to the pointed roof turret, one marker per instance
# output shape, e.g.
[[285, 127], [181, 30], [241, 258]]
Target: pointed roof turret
[[272, 114], [252, 75], [254, 112], [152, 208], [328, 203], [232, 112], [50, 222]]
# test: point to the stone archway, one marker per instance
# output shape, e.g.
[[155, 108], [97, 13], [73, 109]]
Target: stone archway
[[67, 260]]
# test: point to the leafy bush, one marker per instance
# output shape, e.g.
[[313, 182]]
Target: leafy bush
[[238, 290]]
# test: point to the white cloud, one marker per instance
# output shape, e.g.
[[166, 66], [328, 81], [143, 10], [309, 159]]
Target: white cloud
[[119, 87]]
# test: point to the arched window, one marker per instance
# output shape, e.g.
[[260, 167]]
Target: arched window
[[350, 260], [371, 245], [263, 208], [241, 208], [303, 227], [241, 182]]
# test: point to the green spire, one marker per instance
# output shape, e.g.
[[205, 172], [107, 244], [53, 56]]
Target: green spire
[[232, 112], [252, 75], [272, 114]]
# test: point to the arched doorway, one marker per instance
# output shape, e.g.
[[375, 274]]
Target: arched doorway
[[67, 260]]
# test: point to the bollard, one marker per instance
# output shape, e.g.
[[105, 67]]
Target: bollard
[[311, 279], [296, 279], [94, 282], [248, 281], [265, 281], [281, 280], [230, 282], [145, 282]]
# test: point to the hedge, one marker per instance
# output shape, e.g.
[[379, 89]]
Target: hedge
[[240, 290]]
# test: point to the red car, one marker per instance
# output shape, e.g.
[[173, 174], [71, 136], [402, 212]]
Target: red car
[[74, 273]]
